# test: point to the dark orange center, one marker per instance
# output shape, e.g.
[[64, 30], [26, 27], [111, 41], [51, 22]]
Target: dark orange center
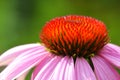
[[76, 36]]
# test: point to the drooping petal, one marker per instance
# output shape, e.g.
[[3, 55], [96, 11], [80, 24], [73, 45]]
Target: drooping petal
[[45, 70], [69, 72], [64, 70], [55, 69], [83, 70], [103, 70], [111, 53], [12, 53], [23, 63]]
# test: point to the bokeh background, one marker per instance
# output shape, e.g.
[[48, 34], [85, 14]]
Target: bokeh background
[[21, 20]]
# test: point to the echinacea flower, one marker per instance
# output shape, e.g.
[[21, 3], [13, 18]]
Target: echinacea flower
[[73, 48]]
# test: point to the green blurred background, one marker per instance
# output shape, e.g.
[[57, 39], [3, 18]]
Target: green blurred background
[[22, 20]]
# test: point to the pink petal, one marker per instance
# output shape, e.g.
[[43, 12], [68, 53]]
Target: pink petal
[[12, 53], [23, 63], [23, 76], [46, 70], [69, 73], [64, 70], [41, 65], [103, 70], [111, 53], [83, 70]]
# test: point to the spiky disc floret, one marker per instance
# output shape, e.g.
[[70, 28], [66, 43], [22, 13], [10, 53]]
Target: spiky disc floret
[[74, 35]]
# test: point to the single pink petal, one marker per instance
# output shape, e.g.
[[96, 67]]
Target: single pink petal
[[12, 53], [64, 70], [46, 70], [111, 53], [23, 63], [69, 70], [114, 46], [60, 70], [83, 70], [103, 70]]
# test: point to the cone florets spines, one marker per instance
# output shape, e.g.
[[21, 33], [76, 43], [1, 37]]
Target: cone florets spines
[[74, 35]]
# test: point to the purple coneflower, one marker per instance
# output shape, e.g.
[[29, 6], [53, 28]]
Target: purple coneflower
[[73, 48]]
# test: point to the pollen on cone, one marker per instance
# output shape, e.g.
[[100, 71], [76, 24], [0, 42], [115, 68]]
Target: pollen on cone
[[74, 35]]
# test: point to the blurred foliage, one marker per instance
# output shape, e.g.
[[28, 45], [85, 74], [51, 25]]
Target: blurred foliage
[[22, 20]]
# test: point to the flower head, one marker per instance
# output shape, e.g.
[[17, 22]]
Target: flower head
[[77, 36], [73, 48]]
